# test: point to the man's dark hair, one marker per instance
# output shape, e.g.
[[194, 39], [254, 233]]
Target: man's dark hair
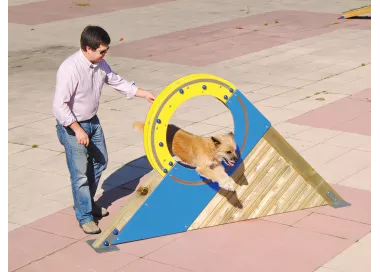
[[93, 36]]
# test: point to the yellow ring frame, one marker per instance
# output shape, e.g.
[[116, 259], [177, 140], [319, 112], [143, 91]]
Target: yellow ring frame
[[163, 108]]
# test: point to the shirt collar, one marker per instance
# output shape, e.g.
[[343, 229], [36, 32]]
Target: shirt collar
[[86, 61]]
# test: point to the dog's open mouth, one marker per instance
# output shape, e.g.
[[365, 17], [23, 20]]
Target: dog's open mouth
[[228, 162]]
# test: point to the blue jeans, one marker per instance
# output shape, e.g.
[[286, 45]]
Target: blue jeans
[[85, 164]]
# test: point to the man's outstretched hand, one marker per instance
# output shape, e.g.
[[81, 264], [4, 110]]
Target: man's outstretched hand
[[145, 94]]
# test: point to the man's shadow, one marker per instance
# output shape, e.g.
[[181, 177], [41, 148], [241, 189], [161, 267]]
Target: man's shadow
[[123, 181], [126, 179]]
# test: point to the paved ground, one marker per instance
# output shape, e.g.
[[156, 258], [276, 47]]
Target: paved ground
[[307, 72]]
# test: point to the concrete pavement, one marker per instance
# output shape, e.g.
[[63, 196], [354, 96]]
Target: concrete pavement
[[308, 73]]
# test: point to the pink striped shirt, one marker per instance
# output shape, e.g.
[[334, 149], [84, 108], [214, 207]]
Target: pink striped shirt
[[79, 85]]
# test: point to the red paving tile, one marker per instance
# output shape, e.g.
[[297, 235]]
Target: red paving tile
[[303, 250], [143, 265], [289, 218], [26, 245], [68, 211], [359, 125], [360, 209], [222, 248], [213, 43], [334, 226], [57, 10], [250, 246], [243, 246], [59, 224], [350, 114], [144, 247], [363, 95], [81, 257]]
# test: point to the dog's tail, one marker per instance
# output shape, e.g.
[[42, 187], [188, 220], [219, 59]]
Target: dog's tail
[[138, 126]]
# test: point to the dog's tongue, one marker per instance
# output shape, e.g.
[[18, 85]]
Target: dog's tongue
[[231, 163]]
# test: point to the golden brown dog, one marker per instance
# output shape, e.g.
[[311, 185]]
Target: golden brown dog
[[204, 153]]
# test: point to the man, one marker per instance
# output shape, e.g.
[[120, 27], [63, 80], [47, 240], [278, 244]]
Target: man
[[80, 79]]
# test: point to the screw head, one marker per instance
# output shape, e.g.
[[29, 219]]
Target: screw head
[[231, 90], [115, 231], [165, 170], [105, 243], [171, 163], [225, 97], [181, 91], [204, 87], [158, 121], [161, 144]]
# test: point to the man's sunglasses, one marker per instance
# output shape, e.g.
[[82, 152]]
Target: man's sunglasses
[[104, 51]]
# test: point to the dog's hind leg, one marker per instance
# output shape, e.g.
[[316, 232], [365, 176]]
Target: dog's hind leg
[[217, 174]]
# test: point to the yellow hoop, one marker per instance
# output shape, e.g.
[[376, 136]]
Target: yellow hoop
[[165, 105]]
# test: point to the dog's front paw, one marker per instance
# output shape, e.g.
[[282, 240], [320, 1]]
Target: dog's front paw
[[227, 184]]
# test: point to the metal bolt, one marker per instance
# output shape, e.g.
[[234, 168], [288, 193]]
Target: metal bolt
[[225, 97], [181, 91], [165, 170], [231, 90], [115, 231], [158, 121], [204, 87], [171, 163], [105, 243], [161, 144]]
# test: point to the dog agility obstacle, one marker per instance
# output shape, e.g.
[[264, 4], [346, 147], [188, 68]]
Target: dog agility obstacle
[[356, 12], [271, 177]]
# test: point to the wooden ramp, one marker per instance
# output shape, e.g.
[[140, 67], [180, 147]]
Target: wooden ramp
[[275, 180], [271, 177]]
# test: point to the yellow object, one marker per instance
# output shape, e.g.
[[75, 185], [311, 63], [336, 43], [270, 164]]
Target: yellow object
[[356, 12], [164, 106], [272, 179]]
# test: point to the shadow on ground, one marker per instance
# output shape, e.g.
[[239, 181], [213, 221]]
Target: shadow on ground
[[124, 181]]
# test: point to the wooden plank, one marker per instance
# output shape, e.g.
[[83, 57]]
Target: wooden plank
[[300, 165], [151, 181], [272, 198], [233, 199], [231, 213], [316, 202], [293, 195], [286, 195], [267, 183], [224, 196], [301, 197], [309, 198]]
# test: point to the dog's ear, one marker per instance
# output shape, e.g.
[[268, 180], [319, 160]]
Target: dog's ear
[[215, 140]]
